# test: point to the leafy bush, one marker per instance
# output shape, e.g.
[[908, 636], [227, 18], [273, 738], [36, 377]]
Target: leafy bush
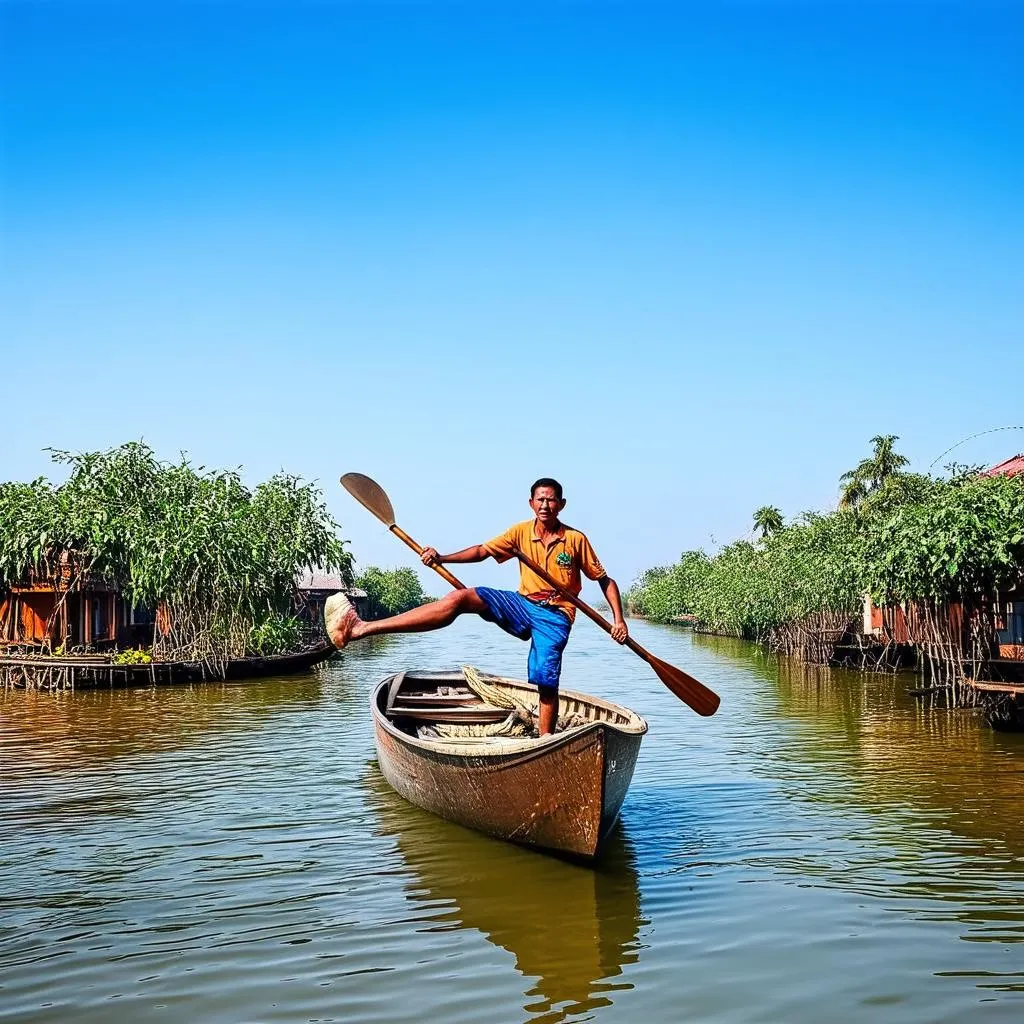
[[390, 591], [217, 558], [965, 540], [913, 538], [666, 592], [132, 656], [276, 635]]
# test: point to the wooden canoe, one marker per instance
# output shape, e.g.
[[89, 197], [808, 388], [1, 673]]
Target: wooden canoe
[[561, 792]]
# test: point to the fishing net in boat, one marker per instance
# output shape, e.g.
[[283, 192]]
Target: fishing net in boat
[[511, 726], [497, 696], [521, 720]]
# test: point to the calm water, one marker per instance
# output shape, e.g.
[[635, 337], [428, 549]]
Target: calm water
[[822, 849]]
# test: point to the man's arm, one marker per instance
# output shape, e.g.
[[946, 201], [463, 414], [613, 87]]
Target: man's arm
[[592, 568], [475, 553], [610, 589]]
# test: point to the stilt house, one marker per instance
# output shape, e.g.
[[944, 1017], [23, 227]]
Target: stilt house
[[69, 608]]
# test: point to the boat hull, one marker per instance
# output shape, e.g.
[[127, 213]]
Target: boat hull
[[562, 792]]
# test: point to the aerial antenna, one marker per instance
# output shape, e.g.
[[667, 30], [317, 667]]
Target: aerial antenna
[[981, 433]]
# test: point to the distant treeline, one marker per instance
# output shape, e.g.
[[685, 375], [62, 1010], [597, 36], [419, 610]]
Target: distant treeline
[[390, 591], [901, 537]]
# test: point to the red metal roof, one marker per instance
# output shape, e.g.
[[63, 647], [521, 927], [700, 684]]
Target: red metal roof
[[1011, 467]]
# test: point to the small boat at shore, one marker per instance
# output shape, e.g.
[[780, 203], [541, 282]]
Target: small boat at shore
[[462, 744], [47, 672]]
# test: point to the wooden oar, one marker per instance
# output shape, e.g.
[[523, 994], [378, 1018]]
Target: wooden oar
[[691, 691], [371, 495]]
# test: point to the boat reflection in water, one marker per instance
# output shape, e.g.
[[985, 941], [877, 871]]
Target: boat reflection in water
[[571, 927]]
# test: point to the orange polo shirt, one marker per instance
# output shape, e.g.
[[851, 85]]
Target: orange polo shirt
[[568, 555]]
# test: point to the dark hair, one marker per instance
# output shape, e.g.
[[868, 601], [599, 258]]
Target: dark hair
[[546, 481]]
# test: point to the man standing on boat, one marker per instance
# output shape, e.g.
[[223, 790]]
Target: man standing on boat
[[536, 612]]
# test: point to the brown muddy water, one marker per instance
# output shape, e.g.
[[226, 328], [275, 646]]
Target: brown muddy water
[[822, 849]]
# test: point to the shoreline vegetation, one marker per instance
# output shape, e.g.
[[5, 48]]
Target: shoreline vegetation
[[933, 557], [390, 591], [136, 561], [156, 562]]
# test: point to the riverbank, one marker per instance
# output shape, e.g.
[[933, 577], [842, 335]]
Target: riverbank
[[51, 673], [922, 572]]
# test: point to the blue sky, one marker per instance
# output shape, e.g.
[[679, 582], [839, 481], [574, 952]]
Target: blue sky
[[686, 258]]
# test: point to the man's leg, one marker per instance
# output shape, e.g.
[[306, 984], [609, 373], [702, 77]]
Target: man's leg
[[548, 709], [550, 634], [344, 625]]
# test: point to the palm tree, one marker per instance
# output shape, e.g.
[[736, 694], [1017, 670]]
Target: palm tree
[[884, 464], [885, 461], [854, 487], [768, 519]]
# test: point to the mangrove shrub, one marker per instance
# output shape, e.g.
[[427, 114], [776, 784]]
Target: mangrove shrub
[[912, 539], [219, 559]]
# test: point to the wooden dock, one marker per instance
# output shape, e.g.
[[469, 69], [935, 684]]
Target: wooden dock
[[40, 672], [990, 686]]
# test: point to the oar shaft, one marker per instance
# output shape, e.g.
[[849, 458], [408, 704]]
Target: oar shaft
[[439, 569], [582, 605], [682, 684]]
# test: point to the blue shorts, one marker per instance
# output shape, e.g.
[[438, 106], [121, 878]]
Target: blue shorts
[[547, 627]]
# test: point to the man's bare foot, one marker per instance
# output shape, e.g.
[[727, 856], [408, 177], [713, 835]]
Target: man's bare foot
[[341, 619]]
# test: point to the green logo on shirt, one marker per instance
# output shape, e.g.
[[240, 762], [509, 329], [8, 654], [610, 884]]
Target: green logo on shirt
[[564, 559]]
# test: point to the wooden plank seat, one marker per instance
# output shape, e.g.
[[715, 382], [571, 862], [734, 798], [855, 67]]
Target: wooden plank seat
[[479, 714], [438, 700], [461, 707], [991, 686]]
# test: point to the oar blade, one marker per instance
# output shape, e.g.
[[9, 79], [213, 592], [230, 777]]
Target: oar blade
[[689, 690], [371, 495]]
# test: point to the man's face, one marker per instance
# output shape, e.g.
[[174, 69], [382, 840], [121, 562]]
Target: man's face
[[546, 505]]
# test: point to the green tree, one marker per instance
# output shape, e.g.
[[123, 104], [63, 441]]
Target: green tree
[[667, 592], [853, 488], [768, 519], [873, 473], [390, 591], [220, 558]]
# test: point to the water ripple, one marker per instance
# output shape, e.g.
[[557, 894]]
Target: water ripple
[[821, 848]]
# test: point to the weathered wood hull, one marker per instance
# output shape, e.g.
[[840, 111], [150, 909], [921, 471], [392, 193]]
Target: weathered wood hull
[[562, 792]]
